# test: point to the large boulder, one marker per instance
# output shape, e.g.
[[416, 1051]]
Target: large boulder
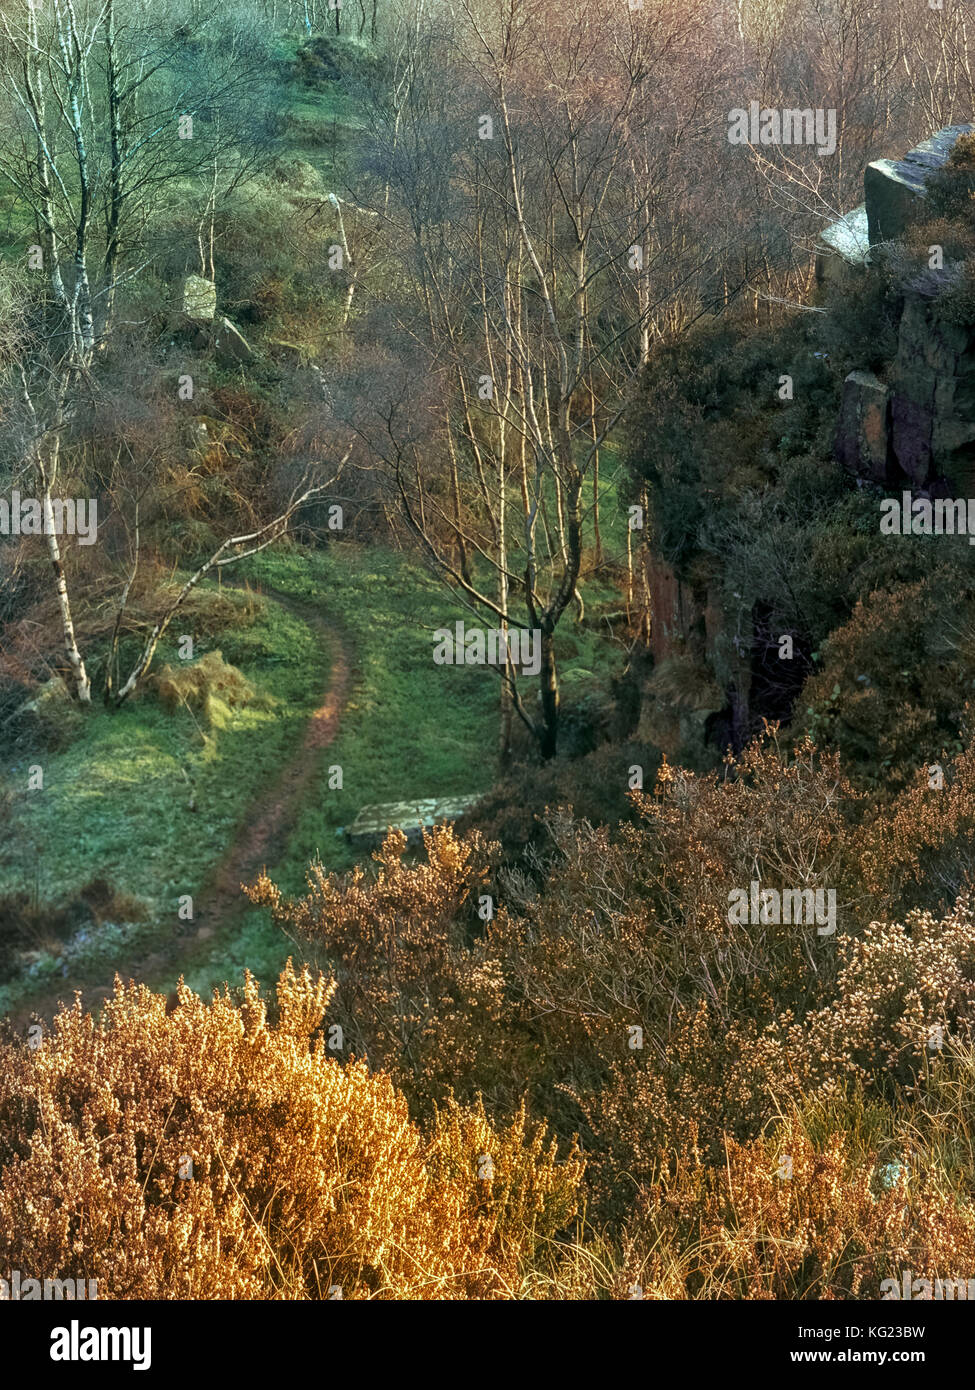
[[199, 299], [862, 441], [844, 245], [895, 188]]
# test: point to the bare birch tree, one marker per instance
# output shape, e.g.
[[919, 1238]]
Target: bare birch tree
[[518, 199]]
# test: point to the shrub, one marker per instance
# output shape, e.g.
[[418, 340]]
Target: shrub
[[305, 1173], [412, 997], [894, 679]]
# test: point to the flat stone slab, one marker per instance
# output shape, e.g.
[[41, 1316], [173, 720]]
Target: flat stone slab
[[412, 817]]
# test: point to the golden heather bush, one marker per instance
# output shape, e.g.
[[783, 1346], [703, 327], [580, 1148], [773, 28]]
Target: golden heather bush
[[611, 987], [903, 995], [204, 1153], [903, 990], [617, 931]]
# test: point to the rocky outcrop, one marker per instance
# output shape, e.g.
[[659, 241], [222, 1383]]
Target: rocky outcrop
[[916, 426], [894, 198], [932, 391], [895, 188], [862, 442]]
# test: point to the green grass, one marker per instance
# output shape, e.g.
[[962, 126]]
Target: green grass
[[116, 802], [410, 728]]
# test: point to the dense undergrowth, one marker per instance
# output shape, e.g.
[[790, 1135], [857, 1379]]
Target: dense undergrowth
[[535, 1058]]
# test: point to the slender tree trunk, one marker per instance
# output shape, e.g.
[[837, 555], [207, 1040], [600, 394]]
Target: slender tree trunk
[[549, 732], [463, 561], [115, 166], [646, 616], [504, 735], [82, 684], [595, 497]]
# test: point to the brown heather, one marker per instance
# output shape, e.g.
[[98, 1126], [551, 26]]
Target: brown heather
[[468, 1041], [742, 1229], [411, 996]]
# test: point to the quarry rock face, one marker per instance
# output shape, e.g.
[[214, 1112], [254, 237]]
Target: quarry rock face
[[672, 608], [895, 188], [199, 299], [917, 426], [680, 699], [862, 435], [932, 390]]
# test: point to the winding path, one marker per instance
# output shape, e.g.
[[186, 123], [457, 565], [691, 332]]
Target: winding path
[[261, 840]]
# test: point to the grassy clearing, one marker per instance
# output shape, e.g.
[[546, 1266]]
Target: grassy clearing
[[410, 728], [116, 803]]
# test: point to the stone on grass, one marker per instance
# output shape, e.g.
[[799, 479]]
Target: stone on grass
[[371, 825]]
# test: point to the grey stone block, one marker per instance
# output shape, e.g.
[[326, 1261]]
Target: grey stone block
[[894, 189]]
